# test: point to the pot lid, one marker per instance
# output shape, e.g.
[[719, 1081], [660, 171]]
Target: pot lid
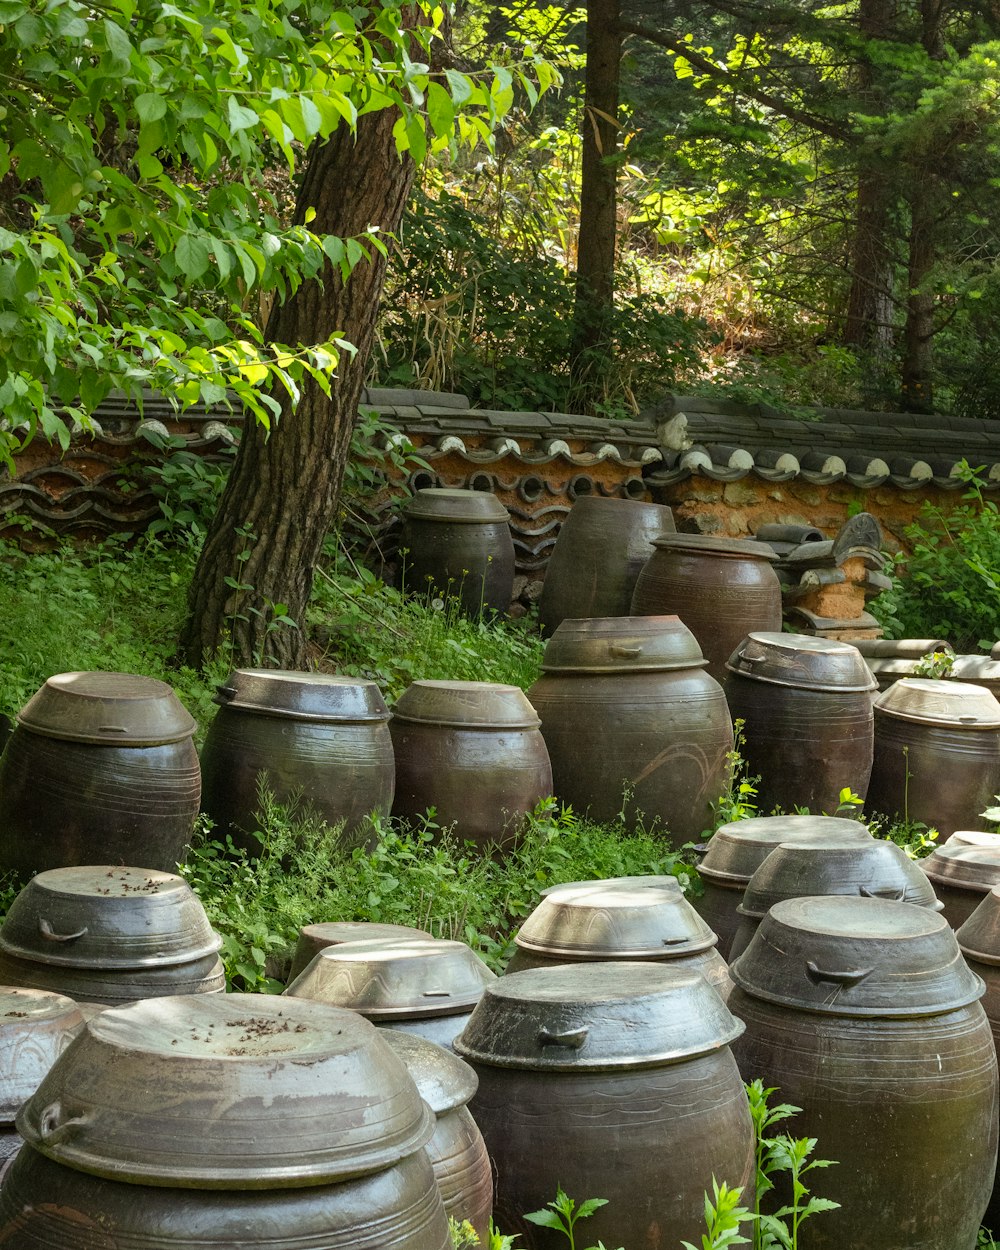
[[240, 1091], [414, 978], [116, 709], [979, 937], [856, 957], [964, 866], [650, 882], [951, 704], [443, 1080], [873, 869], [617, 644], [316, 937], [444, 503], [597, 1016], [106, 917], [802, 661], [710, 545], [302, 696], [466, 705], [737, 850], [972, 837], [35, 1028], [606, 920]]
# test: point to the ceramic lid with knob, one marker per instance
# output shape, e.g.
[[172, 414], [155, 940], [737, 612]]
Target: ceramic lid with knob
[[979, 937], [108, 917], [607, 920], [966, 866], [711, 545], [35, 1028], [949, 704], [466, 705], [738, 849], [314, 938], [445, 503], [856, 957], [616, 644], [801, 661], [874, 869], [228, 1091], [113, 709], [393, 980], [302, 696], [597, 1016]]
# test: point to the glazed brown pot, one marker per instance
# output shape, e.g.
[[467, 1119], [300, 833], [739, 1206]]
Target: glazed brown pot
[[962, 874], [473, 751], [737, 850], [608, 1080], [600, 551], [864, 1015], [456, 544], [312, 738], [633, 723], [101, 768], [937, 753], [721, 588], [807, 717]]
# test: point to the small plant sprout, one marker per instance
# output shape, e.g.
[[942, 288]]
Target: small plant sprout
[[724, 1218], [848, 801], [563, 1215]]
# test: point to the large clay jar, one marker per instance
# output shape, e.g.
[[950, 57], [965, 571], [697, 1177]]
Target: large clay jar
[[633, 723], [962, 874], [807, 719], [610, 1080], [937, 753], [473, 751], [979, 941], [863, 1013], [872, 869], [311, 738], [457, 544], [737, 850], [721, 588], [600, 551], [314, 938], [110, 935], [101, 768], [628, 918], [191, 1123], [457, 1151], [418, 985]]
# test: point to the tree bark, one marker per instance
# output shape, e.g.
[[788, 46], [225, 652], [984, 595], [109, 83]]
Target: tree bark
[[282, 496], [917, 390], [596, 245]]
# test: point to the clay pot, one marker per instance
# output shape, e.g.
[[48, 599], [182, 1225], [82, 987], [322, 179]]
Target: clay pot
[[310, 737], [808, 722], [633, 724], [457, 544], [587, 1063], [101, 768], [314, 938], [737, 850], [937, 753], [864, 1015], [721, 588], [473, 751], [962, 873], [600, 551]]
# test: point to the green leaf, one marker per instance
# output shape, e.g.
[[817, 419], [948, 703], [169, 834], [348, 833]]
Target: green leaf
[[191, 255], [240, 117], [150, 106], [440, 109], [119, 44]]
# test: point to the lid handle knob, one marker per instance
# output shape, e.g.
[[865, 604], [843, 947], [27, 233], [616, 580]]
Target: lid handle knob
[[50, 935], [625, 652], [846, 977], [894, 896], [571, 1038], [51, 1125]]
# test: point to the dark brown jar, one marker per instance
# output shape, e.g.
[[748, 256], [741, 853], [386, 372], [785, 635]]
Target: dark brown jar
[[807, 717], [457, 1151], [101, 768], [721, 588], [962, 874], [600, 551], [633, 723], [863, 1013], [872, 869], [608, 1080], [310, 737], [456, 544], [629, 918], [472, 750], [737, 850], [937, 753], [423, 985], [111, 935], [314, 938]]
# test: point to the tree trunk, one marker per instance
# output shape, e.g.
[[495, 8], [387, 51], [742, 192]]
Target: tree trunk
[[917, 389], [595, 263], [282, 496]]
